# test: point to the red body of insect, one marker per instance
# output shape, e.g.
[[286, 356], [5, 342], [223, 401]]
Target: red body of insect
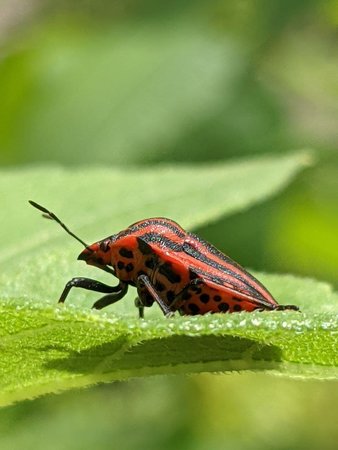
[[177, 269]]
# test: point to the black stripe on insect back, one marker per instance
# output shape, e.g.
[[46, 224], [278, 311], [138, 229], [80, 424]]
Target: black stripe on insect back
[[144, 247], [214, 251], [188, 249], [170, 224], [126, 253], [166, 223], [159, 239], [221, 281]]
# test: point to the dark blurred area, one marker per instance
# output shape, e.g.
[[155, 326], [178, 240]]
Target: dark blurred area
[[199, 412], [125, 83]]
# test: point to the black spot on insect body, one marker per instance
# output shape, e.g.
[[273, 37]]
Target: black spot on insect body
[[223, 307], [204, 298], [129, 267], [217, 298], [236, 299], [186, 295], [100, 261], [237, 308], [126, 253], [166, 270], [194, 309], [159, 286], [120, 265]]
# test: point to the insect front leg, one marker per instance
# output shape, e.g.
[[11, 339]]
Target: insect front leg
[[144, 284], [116, 292], [109, 299]]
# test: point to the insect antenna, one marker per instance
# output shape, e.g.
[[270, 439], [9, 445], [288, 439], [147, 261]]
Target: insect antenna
[[49, 215]]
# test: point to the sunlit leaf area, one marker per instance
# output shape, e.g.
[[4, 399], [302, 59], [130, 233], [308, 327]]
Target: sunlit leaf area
[[220, 115]]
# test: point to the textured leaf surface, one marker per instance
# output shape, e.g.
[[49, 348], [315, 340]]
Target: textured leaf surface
[[45, 348]]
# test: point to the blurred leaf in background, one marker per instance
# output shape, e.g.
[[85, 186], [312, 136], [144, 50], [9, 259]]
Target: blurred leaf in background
[[117, 83], [201, 412]]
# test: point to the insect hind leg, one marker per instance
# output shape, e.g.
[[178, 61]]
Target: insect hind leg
[[143, 283]]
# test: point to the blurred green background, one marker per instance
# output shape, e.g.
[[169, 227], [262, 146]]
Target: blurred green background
[[148, 82]]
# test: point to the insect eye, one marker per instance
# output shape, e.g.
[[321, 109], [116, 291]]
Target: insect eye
[[105, 246]]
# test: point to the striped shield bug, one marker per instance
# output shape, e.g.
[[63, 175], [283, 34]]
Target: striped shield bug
[[171, 267]]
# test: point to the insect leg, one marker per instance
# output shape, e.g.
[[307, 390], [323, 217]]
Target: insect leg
[[111, 298], [140, 306], [284, 307], [91, 285], [143, 282]]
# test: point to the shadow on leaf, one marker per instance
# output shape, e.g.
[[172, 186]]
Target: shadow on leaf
[[176, 354]]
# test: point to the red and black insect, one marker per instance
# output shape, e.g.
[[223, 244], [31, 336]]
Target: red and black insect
[[176, 269]]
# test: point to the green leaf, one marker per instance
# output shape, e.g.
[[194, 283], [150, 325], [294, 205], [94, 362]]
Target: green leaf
[[45, 348]]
